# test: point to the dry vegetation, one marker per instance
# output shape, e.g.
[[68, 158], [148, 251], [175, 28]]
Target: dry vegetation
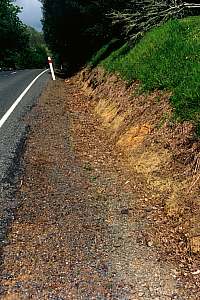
[[109, 197], [162, 152]]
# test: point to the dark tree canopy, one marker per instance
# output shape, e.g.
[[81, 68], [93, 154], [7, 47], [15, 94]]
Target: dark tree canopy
[[13, 35], [75, 29], [20, 46]]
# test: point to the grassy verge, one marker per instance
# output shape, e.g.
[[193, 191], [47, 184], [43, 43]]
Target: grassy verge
[[103, 52], [168, 57]]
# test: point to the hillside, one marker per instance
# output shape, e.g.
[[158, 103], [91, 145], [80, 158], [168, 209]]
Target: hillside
[[167, 58], [109, 179], [147, 100]]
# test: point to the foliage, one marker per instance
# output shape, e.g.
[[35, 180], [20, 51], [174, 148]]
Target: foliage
[[21, 46], [13, 34], [103, 52], [33, 58], [77, 29], [34, 55], [142, 15], [167, 57], [35, 38]]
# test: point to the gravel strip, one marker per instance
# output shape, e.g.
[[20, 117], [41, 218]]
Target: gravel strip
[[79, 233]]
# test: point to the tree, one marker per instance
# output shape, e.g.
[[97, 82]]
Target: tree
[[34, 55], [37, 48], [141, 15], [75, 29], [13, 34], [21, 46]]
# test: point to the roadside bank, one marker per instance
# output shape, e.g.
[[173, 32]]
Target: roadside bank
[[86, 227]]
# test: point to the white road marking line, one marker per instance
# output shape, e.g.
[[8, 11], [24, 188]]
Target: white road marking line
[[11, 109]]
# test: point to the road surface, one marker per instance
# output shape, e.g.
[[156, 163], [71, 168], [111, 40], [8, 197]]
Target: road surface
[[12, 84], [13, 132]]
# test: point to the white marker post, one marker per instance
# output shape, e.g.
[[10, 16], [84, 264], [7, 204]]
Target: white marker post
[[51, 68]]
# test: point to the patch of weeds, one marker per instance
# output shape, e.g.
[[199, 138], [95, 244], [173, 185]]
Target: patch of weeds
[[163, 120], [172, 121], [103, 52], [157, 98], [138, 91], [87, 167], [93, 178]]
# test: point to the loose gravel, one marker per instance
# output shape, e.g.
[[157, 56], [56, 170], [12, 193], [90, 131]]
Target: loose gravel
[[78, 233]]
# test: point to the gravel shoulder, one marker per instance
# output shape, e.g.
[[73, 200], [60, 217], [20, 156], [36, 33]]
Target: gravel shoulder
[[80, 231], [13, 136]]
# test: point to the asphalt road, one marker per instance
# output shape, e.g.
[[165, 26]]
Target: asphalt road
[[12, 84], [13, 134]]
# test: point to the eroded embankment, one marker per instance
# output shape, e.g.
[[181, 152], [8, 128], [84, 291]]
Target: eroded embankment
[[164, 153], [93, 213]]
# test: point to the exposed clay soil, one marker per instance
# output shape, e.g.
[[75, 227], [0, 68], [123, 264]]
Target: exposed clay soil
[[93, 224]]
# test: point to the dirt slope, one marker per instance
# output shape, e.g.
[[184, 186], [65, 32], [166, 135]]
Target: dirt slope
[[165, 153], [91, 224]]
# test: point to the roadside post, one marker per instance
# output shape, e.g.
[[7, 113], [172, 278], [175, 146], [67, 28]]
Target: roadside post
[[51, 68]]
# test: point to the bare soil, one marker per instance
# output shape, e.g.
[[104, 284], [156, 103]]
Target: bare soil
[[94, 221]]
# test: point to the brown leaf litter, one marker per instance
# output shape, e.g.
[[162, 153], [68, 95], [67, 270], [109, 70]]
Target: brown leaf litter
[[96, 220]]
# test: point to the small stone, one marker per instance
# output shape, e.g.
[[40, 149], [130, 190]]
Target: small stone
[[196, 272], [150, 243], [124, 211]]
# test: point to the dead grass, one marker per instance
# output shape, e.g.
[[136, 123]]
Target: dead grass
[[166, 154]]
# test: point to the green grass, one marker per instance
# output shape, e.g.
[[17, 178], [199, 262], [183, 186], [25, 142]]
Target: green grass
[[167, 57], [103, 52]]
